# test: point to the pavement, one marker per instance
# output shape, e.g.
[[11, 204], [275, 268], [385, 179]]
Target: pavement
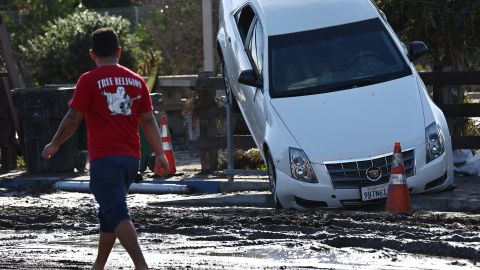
[[465, 197], [195, 183], [208, 190]]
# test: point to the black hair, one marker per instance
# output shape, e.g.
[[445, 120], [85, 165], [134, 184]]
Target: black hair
[[105, 42]]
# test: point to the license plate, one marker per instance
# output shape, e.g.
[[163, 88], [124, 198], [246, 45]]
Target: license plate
[[374, 192]]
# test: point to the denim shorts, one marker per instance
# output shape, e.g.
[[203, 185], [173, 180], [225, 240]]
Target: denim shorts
[[110, 179]]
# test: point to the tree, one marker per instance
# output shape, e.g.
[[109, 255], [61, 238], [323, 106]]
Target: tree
[[449, 27], [176, 28], [33, 15], [60, 55], [106, 3]]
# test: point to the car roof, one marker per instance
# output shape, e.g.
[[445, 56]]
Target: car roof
[[288, 16]]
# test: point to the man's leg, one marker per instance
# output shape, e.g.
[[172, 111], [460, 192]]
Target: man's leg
[[127, 235], [105, 245], [115, 175], [99, 186]]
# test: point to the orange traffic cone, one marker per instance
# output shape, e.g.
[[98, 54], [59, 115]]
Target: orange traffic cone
[[167, 146], [398, 198]]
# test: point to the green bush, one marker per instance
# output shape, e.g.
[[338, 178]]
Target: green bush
[[242, 160], [106, 3], [26, 18], [60, 54]]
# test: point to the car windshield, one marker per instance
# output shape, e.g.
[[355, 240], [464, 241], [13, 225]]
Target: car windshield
[[333, 59]]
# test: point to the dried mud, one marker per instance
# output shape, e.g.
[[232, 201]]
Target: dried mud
[[57, 230]]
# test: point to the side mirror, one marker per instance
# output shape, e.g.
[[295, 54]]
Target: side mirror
[[416, 49], [248, 77]]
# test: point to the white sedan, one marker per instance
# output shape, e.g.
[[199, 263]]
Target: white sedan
[[326, 89]]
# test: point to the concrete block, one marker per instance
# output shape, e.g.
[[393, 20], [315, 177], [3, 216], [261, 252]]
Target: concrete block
[[428, 203], [242, 200], [244, 186], [460, 204]]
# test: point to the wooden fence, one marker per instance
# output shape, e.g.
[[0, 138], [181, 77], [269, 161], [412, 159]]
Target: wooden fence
[[440, 79], [206, 85], [211, 140]]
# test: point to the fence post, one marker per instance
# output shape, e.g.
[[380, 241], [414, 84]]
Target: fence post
[[205, 101], [437, 89], [8, 151]]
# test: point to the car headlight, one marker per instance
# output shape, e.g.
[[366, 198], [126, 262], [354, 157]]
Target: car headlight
[[434, 141], [300, 166]]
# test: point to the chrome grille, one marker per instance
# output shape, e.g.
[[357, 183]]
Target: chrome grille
[[352, 175]]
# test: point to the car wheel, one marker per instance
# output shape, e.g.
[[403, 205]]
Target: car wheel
[[272, 179]]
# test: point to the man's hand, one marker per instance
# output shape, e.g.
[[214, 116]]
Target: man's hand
[[49, 150], [161, 165], [67, 127], [152, 132]]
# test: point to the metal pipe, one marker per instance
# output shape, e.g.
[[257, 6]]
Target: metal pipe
[[146, 188], [229, 135]]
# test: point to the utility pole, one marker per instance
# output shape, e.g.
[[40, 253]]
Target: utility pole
[[208, 47]]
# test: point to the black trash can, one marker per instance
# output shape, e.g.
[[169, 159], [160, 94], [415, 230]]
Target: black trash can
[[40, 111]]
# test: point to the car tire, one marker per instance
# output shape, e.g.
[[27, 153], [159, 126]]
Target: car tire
[[272, 179]]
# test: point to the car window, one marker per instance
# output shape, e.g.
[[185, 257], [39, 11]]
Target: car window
[[244, 18], [333, 59], [255, 47]]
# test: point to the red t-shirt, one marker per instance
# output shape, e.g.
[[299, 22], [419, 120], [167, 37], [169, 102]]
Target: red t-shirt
[[112, 98]]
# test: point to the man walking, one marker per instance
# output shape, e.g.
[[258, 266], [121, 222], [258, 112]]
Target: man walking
[[113, 100]]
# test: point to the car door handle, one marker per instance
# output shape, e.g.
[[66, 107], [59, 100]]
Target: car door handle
[[229, 40]]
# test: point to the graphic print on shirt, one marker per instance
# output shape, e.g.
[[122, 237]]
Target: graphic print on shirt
[[119, 102]]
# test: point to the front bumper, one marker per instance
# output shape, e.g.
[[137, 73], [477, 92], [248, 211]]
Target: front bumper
[[432, 177]]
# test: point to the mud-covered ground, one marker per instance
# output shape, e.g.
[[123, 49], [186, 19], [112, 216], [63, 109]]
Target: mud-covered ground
[[58, 230]]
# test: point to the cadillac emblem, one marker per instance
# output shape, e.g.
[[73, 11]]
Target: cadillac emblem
[[374, 173]]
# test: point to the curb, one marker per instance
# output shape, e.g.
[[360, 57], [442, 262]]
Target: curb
[[427, 203], [20, 183], [250, 199], [263, 199], [194, 185], [465, 198]]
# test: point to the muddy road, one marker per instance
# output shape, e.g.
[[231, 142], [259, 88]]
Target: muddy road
[[58, 230]]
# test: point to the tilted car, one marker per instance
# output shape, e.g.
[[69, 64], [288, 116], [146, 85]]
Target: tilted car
[[326, 89]]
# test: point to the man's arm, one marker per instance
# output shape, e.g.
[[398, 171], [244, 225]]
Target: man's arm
[[152, 132], [67, 127]]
